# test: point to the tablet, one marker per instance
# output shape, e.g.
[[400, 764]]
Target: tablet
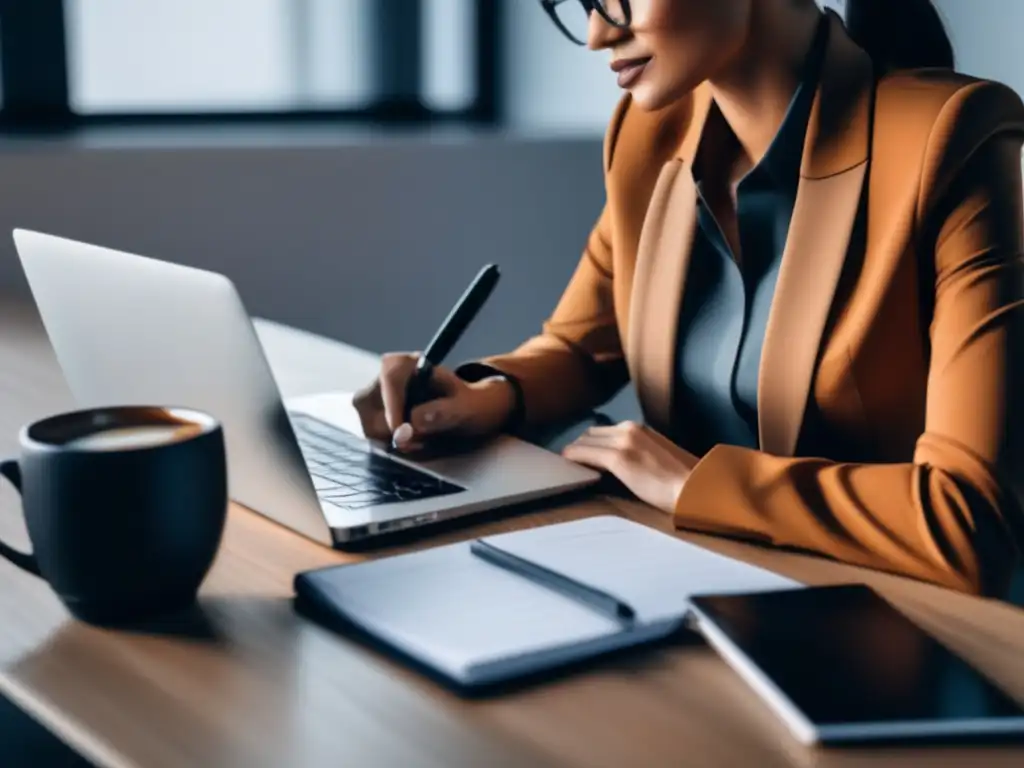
[[840, 664]]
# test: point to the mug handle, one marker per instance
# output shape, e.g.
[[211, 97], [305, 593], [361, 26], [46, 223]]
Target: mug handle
[[27, 562]]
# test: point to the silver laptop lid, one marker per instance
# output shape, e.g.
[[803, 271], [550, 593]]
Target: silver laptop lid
[[127, 329]]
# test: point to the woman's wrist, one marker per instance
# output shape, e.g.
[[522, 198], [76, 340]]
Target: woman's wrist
[[498, 403]]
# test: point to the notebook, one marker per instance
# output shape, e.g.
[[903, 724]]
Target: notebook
[[476, 624]]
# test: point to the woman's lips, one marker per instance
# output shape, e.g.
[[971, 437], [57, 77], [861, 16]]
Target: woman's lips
[[629, 70]]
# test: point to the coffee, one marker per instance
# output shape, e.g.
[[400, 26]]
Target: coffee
[[129, 437], [125, 507]]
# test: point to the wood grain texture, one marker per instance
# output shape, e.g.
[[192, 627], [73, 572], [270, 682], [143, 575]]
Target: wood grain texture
[[244, 681]]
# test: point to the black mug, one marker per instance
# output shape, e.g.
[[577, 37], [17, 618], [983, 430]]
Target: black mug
[[125, 507]]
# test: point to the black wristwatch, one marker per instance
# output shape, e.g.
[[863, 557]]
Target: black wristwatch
[[474, 372]]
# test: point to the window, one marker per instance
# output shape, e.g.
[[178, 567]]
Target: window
[[236, 59], [194, 55]]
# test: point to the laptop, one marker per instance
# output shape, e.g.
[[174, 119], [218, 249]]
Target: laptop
[[128, 329]]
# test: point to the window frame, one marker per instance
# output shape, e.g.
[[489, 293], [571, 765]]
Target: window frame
[[34, 76]]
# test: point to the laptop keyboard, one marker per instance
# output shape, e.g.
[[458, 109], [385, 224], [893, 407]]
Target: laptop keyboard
[[348, 474]]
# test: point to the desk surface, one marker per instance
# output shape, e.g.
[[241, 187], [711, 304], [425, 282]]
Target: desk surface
[[246, 682]]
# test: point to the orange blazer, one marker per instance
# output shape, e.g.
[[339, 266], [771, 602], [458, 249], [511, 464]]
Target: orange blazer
[[899, 311]]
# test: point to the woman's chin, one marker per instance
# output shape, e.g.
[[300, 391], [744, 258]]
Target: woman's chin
[[647, 100], [650, 97]]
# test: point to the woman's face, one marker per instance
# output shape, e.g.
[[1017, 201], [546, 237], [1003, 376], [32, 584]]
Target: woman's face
[[672, 45]]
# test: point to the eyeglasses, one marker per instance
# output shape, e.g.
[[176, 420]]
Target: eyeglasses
[[573, 16]]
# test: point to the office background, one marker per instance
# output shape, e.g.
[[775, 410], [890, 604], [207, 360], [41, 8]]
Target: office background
[[275, 141]]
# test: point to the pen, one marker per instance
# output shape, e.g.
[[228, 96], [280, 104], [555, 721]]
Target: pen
[[595, 598], [418, 389]]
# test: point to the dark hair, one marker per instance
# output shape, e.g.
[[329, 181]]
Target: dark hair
[[900, 34]]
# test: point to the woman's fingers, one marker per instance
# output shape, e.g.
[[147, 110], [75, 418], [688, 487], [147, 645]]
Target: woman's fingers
[[601, 457], [395, 371], [370, 408]]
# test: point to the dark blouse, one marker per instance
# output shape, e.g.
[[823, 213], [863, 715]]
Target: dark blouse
[[726, 301]]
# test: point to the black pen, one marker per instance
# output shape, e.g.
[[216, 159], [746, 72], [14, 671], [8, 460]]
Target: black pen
[[418, 389], [597, 599]]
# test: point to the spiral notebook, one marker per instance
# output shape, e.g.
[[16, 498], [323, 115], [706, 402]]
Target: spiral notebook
[[476, 624]]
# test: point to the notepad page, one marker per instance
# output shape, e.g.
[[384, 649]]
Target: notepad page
[[654, 572]]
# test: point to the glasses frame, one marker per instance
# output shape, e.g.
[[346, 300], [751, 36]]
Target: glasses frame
[[589, 6]]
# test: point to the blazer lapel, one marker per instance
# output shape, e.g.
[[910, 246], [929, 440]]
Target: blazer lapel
[[663, 256], [833, 171], [819, 236]]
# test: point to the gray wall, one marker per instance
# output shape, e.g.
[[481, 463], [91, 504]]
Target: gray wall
[[367, 242], [986, 36]]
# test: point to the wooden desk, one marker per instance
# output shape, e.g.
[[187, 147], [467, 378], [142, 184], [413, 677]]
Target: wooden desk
[[248, 683]]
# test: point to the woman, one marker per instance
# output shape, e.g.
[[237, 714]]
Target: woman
[[809, 265]]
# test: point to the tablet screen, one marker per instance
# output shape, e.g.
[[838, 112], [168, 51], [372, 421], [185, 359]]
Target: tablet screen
[[853, 665]]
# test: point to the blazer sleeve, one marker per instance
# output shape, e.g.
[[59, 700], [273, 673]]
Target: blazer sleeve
[[953, 514], [577, 362]]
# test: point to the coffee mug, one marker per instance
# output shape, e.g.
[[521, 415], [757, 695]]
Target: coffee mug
[[125, 507]]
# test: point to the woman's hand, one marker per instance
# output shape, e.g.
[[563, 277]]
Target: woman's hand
[[472, 410], [650, 465]]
